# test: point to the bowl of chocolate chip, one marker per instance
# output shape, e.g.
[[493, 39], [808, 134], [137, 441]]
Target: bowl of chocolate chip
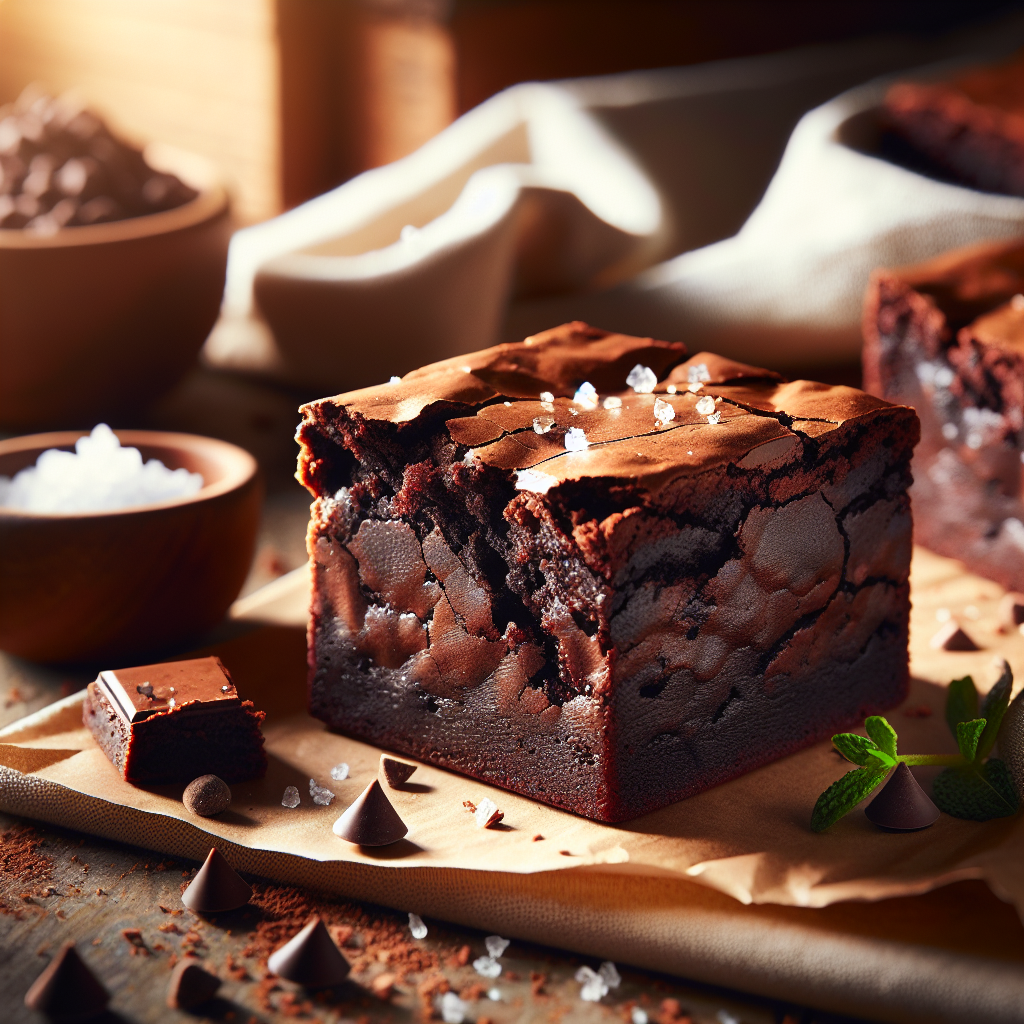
[[111, 266], [117, 546]]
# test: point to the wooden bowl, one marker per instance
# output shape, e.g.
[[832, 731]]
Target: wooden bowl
[[110, 586], [96, 322]]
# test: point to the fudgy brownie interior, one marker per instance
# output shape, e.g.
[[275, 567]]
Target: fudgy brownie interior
[[947, 337], [612, 598]]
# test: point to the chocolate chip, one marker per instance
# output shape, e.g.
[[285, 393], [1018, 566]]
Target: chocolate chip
[[190, 986], [67, 990], [311, 958], [902, 805], [395, 771], [952, 638], [371, 820], [217, 887]]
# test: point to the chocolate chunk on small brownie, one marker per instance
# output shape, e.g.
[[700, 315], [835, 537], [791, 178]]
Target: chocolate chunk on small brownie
[[175, 721], [605, 597], [947, 337], [970, 128]]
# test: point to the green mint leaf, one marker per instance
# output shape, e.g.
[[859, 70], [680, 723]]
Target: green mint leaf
[[961, 702], [882, 733], [977, 793], [992, 710], [860, 750], [843, 795], [967, 736]]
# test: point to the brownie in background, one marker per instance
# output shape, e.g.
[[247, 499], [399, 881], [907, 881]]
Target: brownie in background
[[947, 337], [717, 577], [969, 129]]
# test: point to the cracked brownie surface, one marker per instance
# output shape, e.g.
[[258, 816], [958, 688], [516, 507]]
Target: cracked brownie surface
[[947, 337], [610, 629]]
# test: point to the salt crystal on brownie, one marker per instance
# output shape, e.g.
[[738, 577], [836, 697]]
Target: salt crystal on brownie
[[642, 379], [576, 440]]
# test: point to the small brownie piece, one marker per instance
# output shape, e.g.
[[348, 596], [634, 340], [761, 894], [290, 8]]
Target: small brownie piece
[[718, 578], [970, 128], [174, 721], [947, 337]]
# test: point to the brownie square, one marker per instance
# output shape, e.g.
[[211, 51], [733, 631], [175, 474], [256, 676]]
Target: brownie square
[[718, 577], [947, 337], [969, 129], [175, 721]]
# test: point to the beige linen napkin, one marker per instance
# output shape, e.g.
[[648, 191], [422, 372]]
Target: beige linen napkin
[[563, 188]]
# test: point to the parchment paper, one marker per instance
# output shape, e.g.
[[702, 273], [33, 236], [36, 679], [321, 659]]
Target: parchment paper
[[748, 838]]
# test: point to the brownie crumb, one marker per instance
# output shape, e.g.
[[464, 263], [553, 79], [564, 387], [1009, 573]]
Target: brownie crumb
[[20, 859], [133, 936]]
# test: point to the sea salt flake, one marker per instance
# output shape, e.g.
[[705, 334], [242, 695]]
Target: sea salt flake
[[1017, 302], [534, 480], [715, 418], [642, 379], [417, 927], [611, 976], [320, 794], [663, 411], [453, 1009], [725, 1017], [586, 395], [395, 380], [487, 813], [487, 966], [698, 373], [98, 476], [671, 389], [339, 772], [638, 1016], [576, 440], [494, 994], [612, 402], [542, 424], [546, 396], [706, 405], [291, 797], [548, 406], [594, 986], [496, 945]]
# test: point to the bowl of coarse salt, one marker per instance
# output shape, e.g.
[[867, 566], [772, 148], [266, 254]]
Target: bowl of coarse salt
[[119, 545]]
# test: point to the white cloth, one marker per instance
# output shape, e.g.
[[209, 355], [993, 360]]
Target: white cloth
[[573, 189]]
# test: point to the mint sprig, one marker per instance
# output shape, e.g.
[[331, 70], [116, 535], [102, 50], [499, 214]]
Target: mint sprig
[[973, 786], [844, 794]]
